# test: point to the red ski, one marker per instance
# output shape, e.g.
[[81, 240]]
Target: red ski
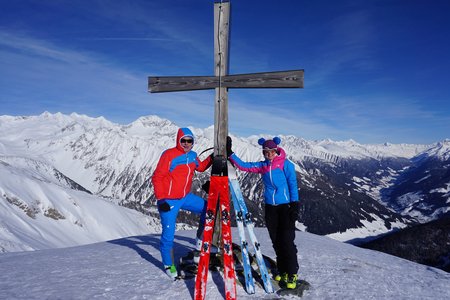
[[218, 193], [228, 264]]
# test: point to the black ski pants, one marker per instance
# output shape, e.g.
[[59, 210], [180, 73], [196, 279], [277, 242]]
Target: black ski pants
[[282, 233]]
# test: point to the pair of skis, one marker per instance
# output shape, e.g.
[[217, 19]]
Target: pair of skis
[[219, 193], [243, 218]]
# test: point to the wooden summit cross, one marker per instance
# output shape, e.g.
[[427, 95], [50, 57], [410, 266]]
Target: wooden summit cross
[[221, 82]]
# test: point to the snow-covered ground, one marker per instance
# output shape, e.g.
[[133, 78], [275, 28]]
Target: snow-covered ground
[[130, 268]]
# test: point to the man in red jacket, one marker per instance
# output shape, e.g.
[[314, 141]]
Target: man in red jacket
[[172, 181]]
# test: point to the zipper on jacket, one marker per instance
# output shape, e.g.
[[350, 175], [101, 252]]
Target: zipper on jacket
[[271, 181], [170, 187]]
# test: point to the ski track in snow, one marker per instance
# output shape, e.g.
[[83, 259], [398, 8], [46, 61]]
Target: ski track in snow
[[130, 268]]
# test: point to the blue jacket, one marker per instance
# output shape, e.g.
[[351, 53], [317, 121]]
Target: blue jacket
[[278, 175]]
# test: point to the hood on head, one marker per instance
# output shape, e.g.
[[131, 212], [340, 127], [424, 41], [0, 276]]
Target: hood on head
[[183, 132]]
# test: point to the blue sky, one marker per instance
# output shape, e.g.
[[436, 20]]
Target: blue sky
[[375, 71]]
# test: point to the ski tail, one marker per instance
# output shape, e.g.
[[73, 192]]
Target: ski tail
[[203, 265], [237, 197], [249, 282], [218, 193], [229, 275], [268, 287]]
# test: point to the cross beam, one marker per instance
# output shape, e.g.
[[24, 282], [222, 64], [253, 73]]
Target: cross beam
[[283, 79], [221, 82]]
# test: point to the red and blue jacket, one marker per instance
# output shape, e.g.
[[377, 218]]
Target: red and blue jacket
[[278, 175], [172, 178]]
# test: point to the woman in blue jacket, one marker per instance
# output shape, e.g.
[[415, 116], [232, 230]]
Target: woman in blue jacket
[[281, 204]]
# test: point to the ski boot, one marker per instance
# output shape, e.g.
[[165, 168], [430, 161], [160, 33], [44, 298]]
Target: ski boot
[[281, 278], [171, 271], [291, 283]]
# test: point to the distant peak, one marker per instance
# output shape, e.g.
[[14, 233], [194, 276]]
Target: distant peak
[[152, 120]]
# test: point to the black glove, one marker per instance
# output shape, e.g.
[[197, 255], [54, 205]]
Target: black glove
[[229, 151], [294, 211], [205, 187], [163, 206]]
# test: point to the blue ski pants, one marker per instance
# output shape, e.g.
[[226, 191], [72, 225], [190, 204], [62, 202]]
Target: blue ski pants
[[190, 203]]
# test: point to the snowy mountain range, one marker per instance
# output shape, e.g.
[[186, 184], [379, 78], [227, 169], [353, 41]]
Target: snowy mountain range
[[427, 244], [42, 208], [64, 179]]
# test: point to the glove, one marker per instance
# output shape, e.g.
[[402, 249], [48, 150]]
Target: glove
[[294, 211], [205, 187], [229, 151], [163, 206]]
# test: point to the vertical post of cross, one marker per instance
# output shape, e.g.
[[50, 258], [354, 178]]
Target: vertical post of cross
[[221, 37], [221, 46]]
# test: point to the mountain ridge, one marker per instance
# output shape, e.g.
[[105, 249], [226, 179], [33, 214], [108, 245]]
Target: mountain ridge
[[338, 180]]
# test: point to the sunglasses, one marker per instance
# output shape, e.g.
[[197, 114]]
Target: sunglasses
[[189, 141], [267, 151]]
